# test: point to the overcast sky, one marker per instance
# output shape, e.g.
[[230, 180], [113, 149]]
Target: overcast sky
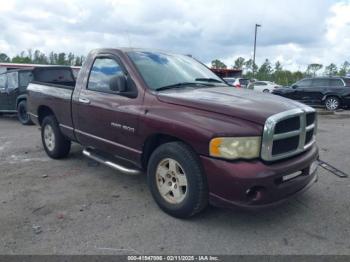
[[295, 32]]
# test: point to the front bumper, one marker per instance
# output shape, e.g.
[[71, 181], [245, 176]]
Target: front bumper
[[255, 183]]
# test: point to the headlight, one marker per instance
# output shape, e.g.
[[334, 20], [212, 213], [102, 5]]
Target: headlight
[[235, 147]]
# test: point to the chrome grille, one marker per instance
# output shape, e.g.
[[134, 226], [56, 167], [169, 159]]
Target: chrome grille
[[288, 133]]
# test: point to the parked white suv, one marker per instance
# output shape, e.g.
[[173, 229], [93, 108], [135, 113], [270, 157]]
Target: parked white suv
[[237, 82], [263, 86]]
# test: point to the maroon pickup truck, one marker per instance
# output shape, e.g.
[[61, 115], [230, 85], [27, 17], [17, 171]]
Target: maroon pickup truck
[[168, 115]]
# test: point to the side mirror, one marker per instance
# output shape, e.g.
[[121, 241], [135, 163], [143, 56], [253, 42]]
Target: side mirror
[[294, 86], [118, 83]]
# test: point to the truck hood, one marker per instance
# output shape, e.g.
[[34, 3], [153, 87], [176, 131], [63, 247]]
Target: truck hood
[[239, 103]]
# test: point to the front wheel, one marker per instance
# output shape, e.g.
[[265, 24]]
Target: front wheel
[[266, 91], [22, 113], [55, 144], [332, 103], [176, 180]]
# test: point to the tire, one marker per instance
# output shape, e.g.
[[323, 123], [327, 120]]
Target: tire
[[332, 103], [266, 91], [22, 114], [176, 163], [55, 144]]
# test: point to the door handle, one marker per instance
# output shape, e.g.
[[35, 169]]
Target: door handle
[[84, 100]]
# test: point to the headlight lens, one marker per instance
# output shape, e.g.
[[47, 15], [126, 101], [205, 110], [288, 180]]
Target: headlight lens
[[235, 147]]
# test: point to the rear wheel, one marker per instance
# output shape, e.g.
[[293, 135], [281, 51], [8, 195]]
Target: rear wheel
[[55, 144], [332, 103], [22, 113], [266, 91], [176, 180]]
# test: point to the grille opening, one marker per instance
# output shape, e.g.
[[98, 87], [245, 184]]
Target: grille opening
[[310, 118], [285, 145], [309, 135], [287, 125]]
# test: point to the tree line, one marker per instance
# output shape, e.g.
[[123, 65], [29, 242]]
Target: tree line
[[38, 57], [275, 72], [267, 71]]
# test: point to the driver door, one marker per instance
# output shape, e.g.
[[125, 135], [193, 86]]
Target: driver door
[[106, 120], [299, 89]]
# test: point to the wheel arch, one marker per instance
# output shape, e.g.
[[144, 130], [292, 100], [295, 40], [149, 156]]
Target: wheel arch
[[44, 111], [154, 141], [331, 95]]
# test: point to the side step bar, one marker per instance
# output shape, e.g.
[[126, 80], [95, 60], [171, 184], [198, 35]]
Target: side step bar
[[111, 164]]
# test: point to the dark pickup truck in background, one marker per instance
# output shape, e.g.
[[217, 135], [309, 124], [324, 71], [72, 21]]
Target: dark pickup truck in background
[[198, 139], [13, 87], [331, 92]]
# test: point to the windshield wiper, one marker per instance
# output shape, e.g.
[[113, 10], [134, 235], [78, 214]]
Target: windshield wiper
[[182, 84], [208, 80]]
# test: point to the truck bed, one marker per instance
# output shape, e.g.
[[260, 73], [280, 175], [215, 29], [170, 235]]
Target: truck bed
[[53, 97]]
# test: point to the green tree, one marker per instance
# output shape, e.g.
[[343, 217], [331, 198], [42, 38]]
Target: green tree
[[22, 58], [29, 54], [239, 63], [39, 58], [296, 76], [70, 58], [265, 71], [278, 66], [344, 69], [249, 66], [313, 68], [61, 60], [52, 58], [79, 60], [4, 58], [331, 70], [217, 64]]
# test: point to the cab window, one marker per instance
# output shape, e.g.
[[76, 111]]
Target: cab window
[[101, 73]]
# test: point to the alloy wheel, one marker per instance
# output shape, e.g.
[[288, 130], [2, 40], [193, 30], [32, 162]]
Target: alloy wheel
[[49, 137], [332, 104], [171, 181]]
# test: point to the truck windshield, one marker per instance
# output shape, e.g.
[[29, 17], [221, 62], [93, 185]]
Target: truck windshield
[[160, 70]]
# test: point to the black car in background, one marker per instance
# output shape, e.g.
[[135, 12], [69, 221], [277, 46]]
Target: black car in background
[[13, 87], [332, 92]]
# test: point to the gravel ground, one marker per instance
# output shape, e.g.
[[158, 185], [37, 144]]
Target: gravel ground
[[74, 206]]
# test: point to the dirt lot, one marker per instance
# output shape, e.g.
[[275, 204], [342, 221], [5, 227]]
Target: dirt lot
[[74, 206]]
